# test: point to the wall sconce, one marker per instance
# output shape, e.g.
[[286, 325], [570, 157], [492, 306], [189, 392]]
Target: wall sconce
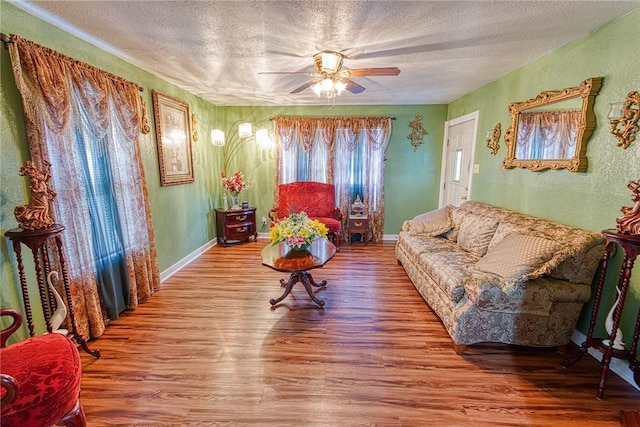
[[217, 137], [493, 138], [623, 117], [244, 130]]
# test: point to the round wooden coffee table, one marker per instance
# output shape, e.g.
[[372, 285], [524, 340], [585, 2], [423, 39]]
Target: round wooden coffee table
[[280, 257]]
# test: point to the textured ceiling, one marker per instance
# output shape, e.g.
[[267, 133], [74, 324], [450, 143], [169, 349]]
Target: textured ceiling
[[215, 49]]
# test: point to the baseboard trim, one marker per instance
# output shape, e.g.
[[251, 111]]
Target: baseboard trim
[[619, 366], [164, 275]]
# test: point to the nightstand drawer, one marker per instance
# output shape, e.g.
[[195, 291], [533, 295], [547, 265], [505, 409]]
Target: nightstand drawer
[[235, 225], [358, 225]]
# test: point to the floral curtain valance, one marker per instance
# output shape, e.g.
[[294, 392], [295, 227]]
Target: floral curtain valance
[[307, 128], [47, 80]]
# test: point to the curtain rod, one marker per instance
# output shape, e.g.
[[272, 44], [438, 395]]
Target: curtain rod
[[6, 40], [327, 117]]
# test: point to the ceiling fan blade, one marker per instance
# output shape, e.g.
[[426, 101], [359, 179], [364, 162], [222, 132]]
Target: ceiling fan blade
[[361, 72], [303, 73], [303, 87], [352, 86]]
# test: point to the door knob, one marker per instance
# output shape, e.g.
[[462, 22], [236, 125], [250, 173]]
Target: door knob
[[464, 197]]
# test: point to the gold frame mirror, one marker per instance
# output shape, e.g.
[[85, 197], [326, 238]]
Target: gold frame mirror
[[577, 100]]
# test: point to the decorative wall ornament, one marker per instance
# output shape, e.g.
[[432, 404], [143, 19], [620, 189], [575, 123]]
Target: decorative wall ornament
[[629, 222], [35, 215], [624, 119], [493, 139], [417, 132], [145, 127], [194, 128], [579, 100]]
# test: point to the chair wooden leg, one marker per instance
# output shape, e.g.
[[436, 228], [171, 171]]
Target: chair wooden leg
[[75, 418]]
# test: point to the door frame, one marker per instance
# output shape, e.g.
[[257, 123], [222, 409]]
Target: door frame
[[474, 116]]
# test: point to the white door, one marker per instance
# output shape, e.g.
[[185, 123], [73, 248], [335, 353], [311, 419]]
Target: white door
[[457, 159]]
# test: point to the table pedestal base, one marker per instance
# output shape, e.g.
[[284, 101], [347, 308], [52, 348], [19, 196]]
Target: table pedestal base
[[304, 278]]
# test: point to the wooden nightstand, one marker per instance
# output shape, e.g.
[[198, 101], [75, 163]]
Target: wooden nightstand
[[235, 225], [359, 224]]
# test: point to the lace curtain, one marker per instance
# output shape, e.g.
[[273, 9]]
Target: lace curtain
[[86, 123], [547, 135], [345, 151]]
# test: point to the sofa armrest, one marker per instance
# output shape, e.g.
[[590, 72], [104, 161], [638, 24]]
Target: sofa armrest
[[490, 292], [406, 225]]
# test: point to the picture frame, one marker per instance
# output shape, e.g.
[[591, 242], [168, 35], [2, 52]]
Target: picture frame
[[173, 137]]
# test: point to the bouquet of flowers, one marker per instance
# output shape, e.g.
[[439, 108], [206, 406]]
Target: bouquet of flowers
[[297, 231], [235, 184]]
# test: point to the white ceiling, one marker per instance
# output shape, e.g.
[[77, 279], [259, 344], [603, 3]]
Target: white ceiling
[[215, 49]]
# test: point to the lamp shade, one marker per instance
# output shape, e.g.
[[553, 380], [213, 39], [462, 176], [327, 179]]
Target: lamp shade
[[217, 137], [244, 130]]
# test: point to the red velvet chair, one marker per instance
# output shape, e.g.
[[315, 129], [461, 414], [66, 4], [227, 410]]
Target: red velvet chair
[[317, 199], [40, 379]]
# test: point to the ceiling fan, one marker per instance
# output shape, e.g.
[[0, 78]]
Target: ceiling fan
[[330, 79]]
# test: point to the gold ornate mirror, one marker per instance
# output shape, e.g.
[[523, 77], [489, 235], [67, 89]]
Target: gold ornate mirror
[[551, 130]]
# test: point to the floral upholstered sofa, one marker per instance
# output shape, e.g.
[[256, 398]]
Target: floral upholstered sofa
[[494, 275]]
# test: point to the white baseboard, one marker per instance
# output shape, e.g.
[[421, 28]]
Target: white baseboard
[[619, 366], [391, 237], [164, 275]]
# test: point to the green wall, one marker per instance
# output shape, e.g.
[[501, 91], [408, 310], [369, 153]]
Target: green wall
[[590, 200]]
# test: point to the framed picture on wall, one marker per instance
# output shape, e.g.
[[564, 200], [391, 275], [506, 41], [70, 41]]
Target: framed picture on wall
[[173, 136]]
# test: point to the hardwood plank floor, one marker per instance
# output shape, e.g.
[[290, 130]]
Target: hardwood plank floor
[[209, 350]]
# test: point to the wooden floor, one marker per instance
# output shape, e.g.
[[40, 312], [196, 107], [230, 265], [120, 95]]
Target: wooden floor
[[209, 350]]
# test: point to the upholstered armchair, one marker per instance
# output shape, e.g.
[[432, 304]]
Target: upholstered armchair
[[39, 379], [317, 199]]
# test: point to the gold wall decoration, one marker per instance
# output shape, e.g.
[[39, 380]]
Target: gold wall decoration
[[145, 127], [417, 132], [194, 127], [583, 96], [624, 122], [493, 141]]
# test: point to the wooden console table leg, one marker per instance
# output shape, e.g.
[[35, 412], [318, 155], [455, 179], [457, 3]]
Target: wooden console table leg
[[24, 288]]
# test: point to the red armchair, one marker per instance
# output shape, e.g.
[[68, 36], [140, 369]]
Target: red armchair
[[317, 199], [39, 379]]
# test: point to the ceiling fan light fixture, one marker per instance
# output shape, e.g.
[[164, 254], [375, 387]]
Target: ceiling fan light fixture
[[328, 87]]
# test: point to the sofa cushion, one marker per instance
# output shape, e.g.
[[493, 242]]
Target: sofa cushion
[[519, 256], [504, 228], [476, 232], [449, 270], [431, 223], [457, 215]]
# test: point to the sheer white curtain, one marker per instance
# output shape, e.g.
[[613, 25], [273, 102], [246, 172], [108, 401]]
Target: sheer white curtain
[[346, 151]]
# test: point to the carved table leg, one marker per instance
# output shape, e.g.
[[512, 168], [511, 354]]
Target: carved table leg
[[293, 279], [306, 280]]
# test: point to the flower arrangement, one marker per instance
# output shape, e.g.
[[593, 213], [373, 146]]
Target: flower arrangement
[[297, 231], [236, 183]]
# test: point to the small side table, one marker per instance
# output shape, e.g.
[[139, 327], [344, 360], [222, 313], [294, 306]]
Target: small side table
[[236, 225], [44, 243], [359, 224], [630, 244]]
